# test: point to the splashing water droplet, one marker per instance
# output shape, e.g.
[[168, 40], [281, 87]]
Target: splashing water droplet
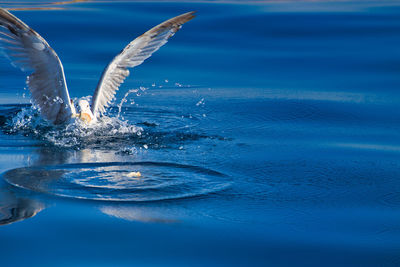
[[124, 100], [201, 102]]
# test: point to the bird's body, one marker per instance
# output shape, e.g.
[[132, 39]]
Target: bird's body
[[29, 51]]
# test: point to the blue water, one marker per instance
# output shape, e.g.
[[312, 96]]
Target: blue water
[[266, 134]]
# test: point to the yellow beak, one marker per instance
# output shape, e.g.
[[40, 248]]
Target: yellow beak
[[85, 117]]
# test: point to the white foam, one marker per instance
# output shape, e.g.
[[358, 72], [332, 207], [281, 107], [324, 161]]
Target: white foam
[[29, 122]]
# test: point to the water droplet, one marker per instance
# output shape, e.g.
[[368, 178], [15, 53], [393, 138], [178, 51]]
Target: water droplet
[[201, 102]]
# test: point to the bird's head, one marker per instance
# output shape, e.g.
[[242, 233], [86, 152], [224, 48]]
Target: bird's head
[[85, 114], [83, 105]]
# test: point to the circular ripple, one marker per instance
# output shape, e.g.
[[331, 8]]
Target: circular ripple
[[113, 181]]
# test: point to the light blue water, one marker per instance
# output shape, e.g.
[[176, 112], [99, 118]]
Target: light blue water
[[265, 133]]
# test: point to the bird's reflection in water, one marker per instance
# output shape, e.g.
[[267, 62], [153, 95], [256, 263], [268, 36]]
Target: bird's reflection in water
[[17, 204], [16, 207]]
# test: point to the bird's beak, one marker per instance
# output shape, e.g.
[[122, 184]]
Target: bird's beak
[[85, 117], [76, 115]]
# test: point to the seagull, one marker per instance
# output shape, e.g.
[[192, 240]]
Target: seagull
[[29, 51]]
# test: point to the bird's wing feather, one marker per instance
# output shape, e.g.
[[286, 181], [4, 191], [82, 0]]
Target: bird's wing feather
[[30, 52], [131, 56]]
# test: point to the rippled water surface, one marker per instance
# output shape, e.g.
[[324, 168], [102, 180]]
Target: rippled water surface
[[262, 134]]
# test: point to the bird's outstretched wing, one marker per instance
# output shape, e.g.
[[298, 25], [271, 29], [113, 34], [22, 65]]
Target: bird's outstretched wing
[[29, 51], [133, 55]]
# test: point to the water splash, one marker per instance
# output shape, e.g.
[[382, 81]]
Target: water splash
[[124, 100], [143, 128], [106, 131]]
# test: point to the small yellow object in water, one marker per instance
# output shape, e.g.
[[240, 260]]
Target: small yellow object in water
[[134, 174]]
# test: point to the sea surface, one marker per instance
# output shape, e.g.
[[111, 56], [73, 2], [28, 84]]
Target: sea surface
[[266, 134]]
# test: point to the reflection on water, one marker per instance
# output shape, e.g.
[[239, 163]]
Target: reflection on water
[[63, 172], [138, 213], [18, 204], [16, 207]]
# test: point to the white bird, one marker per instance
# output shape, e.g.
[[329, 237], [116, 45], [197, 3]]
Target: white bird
[[29, 51]]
